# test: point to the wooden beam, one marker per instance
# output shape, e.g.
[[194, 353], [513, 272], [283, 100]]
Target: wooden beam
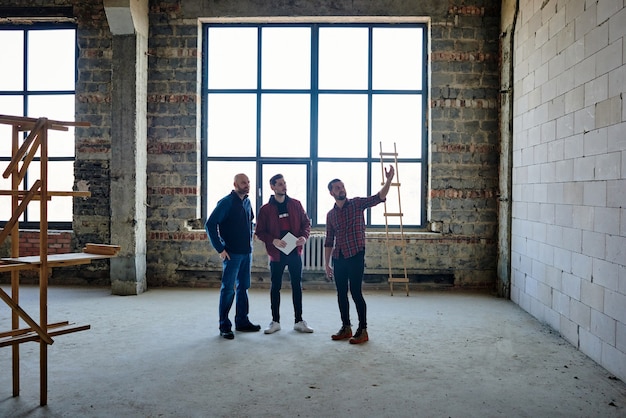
[[52, 124], [22, 313], [17, 157], [18, 212], [21, 331], [32, 336], [21, 193]]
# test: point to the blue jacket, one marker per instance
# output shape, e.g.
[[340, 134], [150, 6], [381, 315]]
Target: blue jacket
[[229, 226]]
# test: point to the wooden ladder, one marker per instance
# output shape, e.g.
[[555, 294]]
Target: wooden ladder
[[398, 241]]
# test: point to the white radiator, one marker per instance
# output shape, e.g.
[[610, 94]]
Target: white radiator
[[313, 253]]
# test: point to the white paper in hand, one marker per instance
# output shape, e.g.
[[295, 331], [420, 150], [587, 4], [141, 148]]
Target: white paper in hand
[[290, 239]]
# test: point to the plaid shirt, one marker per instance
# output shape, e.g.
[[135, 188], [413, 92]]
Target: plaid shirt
[[345, 226]]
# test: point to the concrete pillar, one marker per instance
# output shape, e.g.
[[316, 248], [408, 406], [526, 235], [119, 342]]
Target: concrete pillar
[[128, 144], [505, 177]]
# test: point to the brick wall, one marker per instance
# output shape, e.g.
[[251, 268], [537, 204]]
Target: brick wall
[[463, 152], [58, 242], [464, 149]]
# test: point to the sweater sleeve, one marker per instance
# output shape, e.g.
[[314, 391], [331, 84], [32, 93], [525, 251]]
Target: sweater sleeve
[[305, 223], [262, 230]]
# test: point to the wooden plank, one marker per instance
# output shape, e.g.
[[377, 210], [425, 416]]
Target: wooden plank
[[31, 336], [30, 321], [29, 158], [74, 194], [102, 249], [52, 124], [10, 266], [21, 331], [21, 193], [18, 212], [19, 155], [43, 268], [55, 260]]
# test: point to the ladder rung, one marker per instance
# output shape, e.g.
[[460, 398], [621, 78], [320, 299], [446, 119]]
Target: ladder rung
[[388, 154], [398, 279], [382, 183], [393, 214]]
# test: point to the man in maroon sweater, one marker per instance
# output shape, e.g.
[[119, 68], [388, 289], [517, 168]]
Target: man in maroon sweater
[[281, 223]]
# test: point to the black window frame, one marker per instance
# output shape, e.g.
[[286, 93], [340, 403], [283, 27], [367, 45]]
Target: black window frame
[[25, 28], [373, 157]]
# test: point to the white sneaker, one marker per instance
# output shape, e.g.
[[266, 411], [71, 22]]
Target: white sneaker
[[302, 327], [272, 328]]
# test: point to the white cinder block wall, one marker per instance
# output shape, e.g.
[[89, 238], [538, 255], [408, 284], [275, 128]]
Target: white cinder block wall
[[569, 172]]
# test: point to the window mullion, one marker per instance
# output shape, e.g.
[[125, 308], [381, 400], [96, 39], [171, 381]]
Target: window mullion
[[259, 168], [370, 58], [312, 168]]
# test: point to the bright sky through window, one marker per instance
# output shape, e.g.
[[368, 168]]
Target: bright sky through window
[[37, 79], [315, 101]]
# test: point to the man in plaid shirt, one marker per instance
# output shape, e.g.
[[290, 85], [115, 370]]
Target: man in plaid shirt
[[345, 242]]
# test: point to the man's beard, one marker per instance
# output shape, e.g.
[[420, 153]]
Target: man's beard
[[341, 197]]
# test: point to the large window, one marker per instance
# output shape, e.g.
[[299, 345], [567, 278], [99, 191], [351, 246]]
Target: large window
[[37, 79], [315, 102]]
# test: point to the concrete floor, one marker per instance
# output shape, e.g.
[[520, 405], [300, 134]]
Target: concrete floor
[[430, 355]]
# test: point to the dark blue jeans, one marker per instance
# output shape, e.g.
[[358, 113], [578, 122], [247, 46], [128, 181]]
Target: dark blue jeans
[[348, 274], [235, 279], [293, 262]]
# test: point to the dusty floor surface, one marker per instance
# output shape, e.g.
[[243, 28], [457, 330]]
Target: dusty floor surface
[[429, 355]]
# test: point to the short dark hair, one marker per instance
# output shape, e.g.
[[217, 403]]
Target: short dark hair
[[330, 184], [275, 178]]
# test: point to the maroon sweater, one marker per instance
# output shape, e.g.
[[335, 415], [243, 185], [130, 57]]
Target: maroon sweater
[[268, 226]]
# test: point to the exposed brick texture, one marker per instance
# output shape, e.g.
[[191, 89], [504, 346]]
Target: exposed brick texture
[[58, 242], [464, 100]]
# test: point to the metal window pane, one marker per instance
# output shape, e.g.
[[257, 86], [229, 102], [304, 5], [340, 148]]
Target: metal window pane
[[286, 58], [231, 127], [57, 107], [341, 122], [285, 125], [232, 58], [12, 53], [51, 59], [9, 105], [342, 125], [343, 55], [398, 118], [397, 59], [51, 67]]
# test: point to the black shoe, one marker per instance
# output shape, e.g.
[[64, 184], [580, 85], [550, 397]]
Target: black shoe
[[227, 334], [250, 327]]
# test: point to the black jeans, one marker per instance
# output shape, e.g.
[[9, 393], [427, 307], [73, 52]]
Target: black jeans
[[294, 265], [348, 274]]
